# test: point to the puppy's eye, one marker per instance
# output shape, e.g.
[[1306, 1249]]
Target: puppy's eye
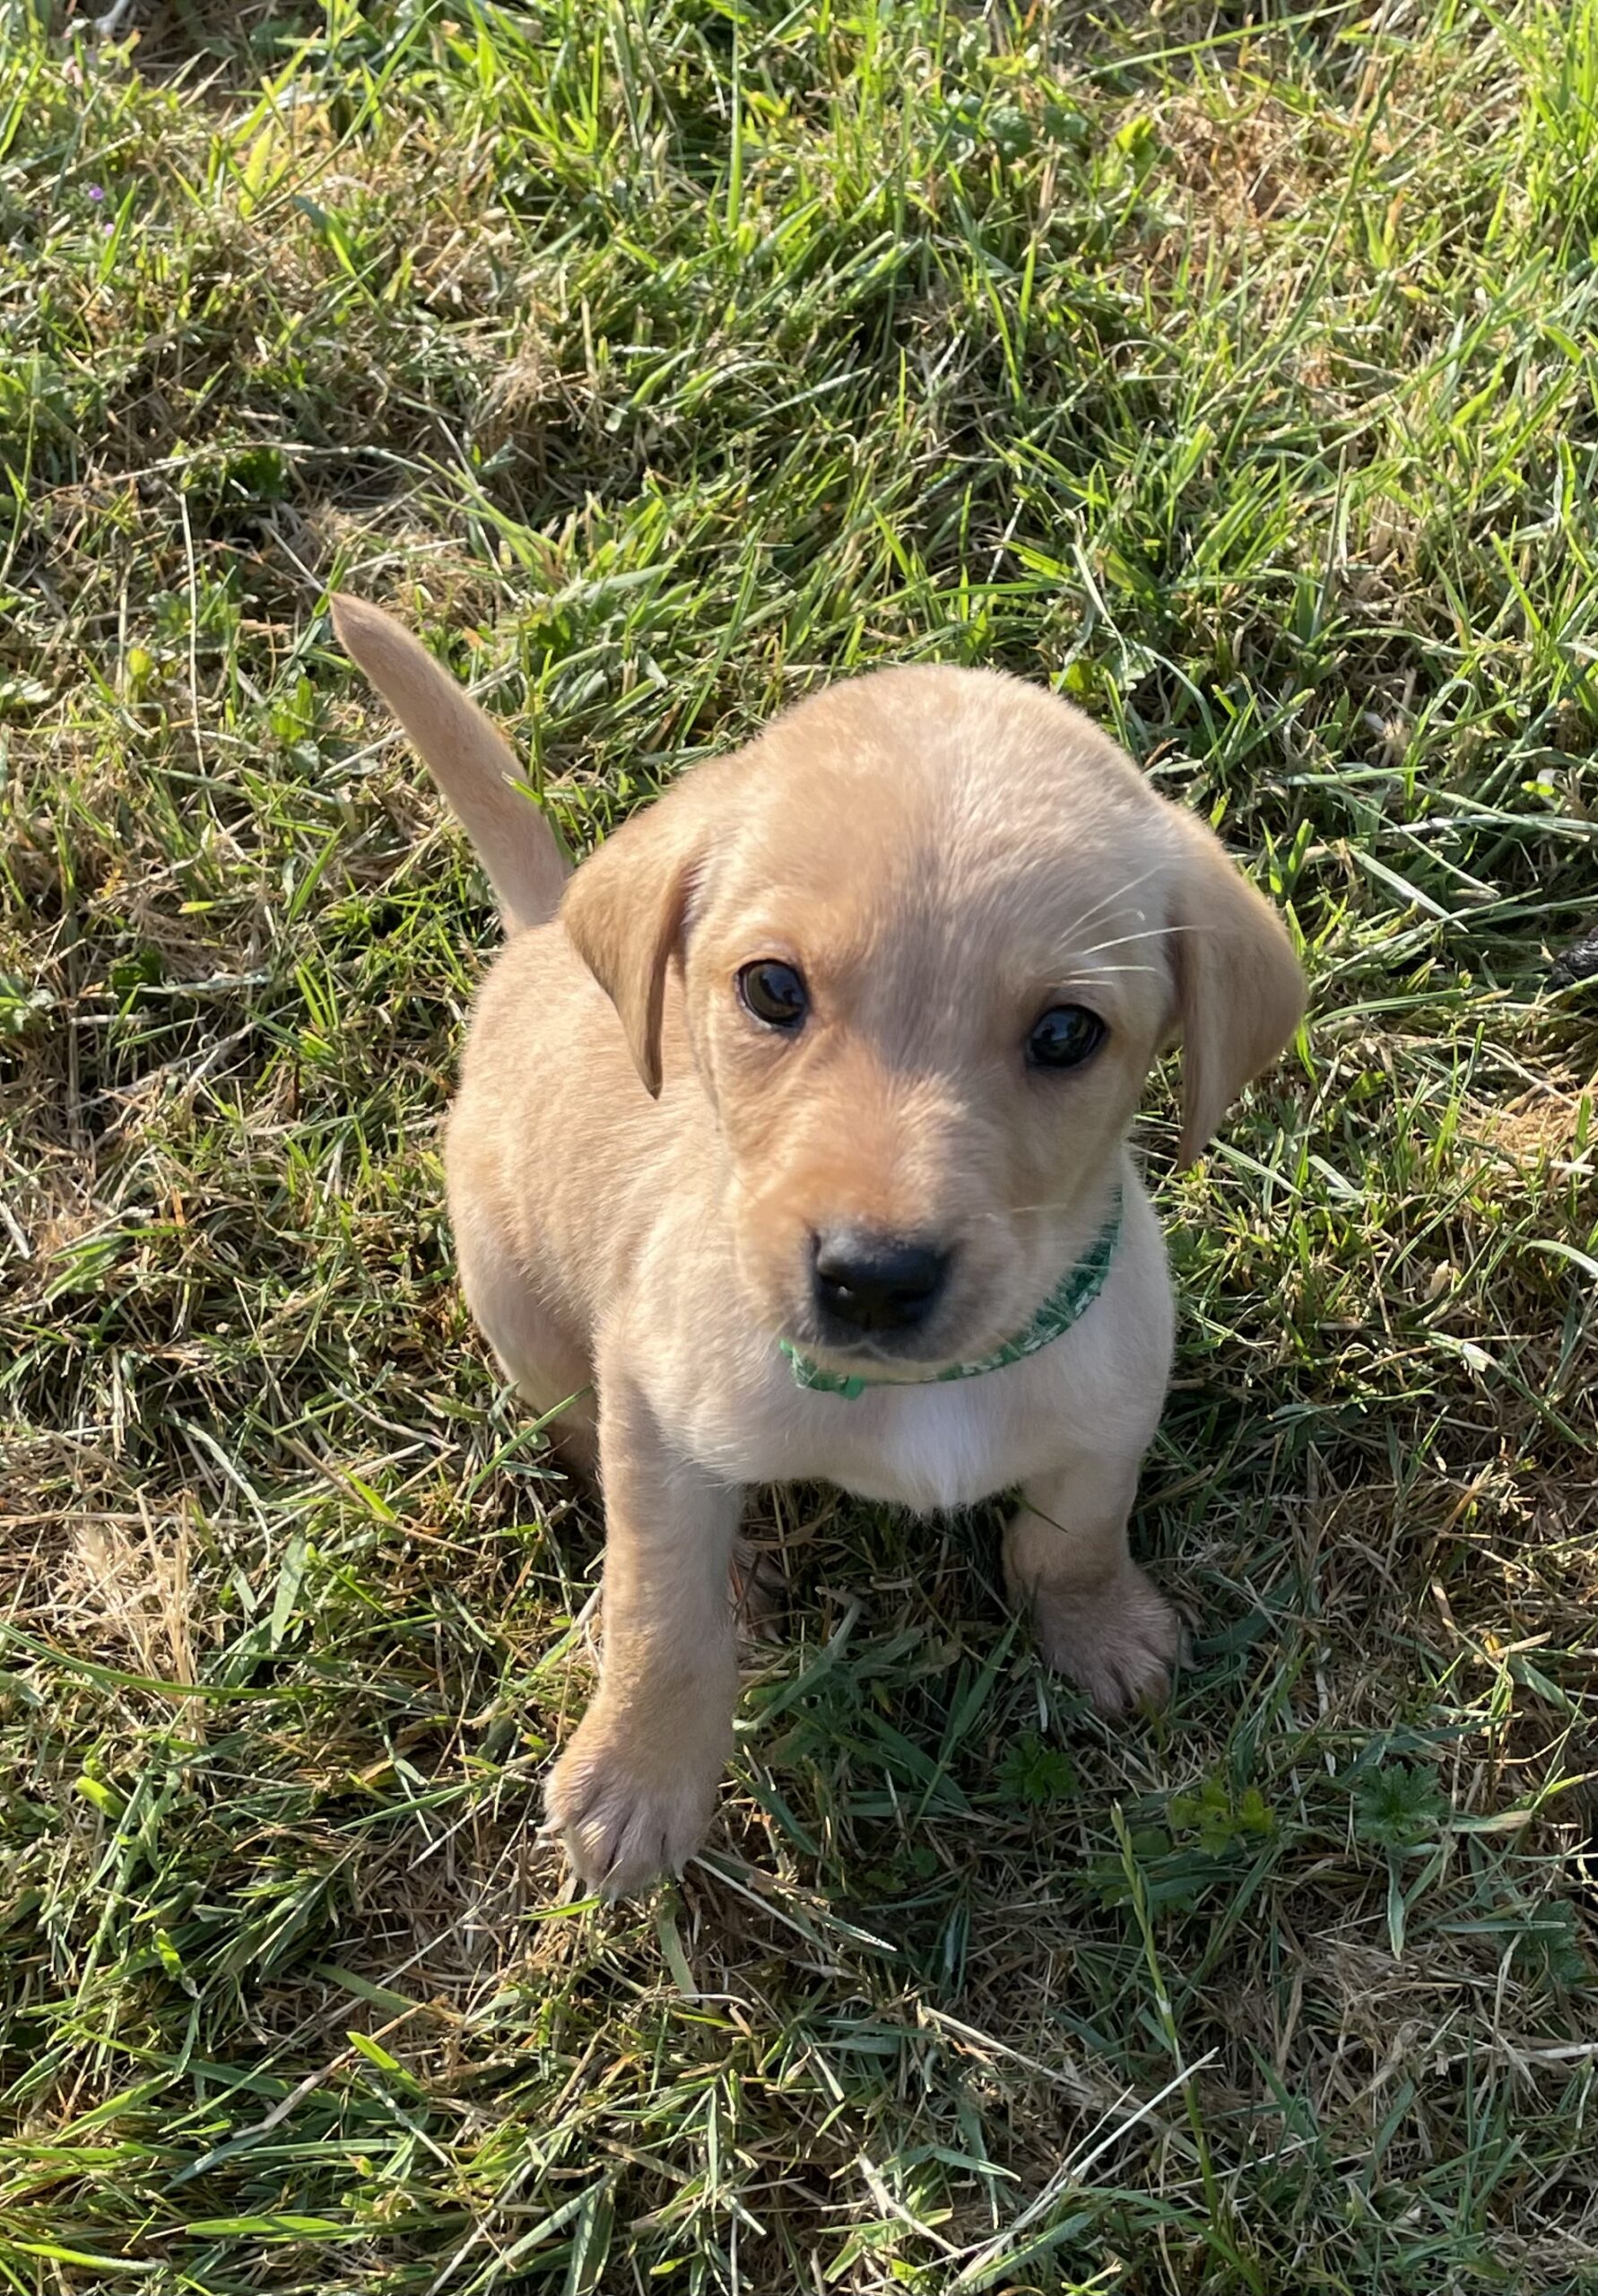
[[1064, 1037], [774, 993]]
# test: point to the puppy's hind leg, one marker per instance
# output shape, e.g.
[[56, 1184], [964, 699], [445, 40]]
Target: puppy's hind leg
[[1097, 1618], [550, 1367], [573, 1431]]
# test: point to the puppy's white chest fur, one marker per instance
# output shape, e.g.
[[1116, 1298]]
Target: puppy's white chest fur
[[953, 1443], [922, 1448], [926, 1447]]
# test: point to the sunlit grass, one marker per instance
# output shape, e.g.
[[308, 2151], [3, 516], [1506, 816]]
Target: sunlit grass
[[1240, 383]]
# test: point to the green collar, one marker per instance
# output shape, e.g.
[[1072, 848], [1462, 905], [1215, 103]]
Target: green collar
[[1071, 1299]]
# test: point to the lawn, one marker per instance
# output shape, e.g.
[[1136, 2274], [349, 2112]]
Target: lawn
[[1233, 370]]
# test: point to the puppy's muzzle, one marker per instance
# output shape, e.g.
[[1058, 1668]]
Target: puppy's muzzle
[[866, 1284]]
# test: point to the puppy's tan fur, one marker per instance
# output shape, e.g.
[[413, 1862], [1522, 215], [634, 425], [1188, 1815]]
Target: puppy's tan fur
[[637, 1168]]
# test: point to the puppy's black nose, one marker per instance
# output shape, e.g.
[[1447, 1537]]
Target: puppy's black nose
[[871, 1283]]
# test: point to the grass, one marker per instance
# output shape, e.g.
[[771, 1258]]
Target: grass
[[1233, 370]]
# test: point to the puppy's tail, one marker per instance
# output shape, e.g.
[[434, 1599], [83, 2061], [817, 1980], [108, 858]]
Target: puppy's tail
[[467, 757]]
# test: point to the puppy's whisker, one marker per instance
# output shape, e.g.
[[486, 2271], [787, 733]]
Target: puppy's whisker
[[1122, 940], [1092, 972], [1015, 1211], [1125, 887], [1109, 900]]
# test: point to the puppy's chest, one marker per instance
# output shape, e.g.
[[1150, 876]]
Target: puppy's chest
[[943, 1445]]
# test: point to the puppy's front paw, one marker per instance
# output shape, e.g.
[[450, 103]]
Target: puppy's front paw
[[1118, 1641], [631, 1798]]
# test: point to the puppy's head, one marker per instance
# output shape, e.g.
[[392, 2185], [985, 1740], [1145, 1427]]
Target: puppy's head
[[928, 932]]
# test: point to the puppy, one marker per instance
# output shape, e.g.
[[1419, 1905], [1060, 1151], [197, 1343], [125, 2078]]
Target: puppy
[[791, 1143]]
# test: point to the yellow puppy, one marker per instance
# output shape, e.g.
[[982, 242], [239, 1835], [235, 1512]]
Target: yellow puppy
[[802, 1101]]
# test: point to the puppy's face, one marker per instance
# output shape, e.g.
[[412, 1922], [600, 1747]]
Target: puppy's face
[[928, 928], [924, 1003]]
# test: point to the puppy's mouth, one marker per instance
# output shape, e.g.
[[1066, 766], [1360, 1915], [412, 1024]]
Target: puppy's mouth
[[914, 1356]]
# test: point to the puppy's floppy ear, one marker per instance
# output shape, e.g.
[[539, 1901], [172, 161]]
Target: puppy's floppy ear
[[626, 910], [1239, 988]]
